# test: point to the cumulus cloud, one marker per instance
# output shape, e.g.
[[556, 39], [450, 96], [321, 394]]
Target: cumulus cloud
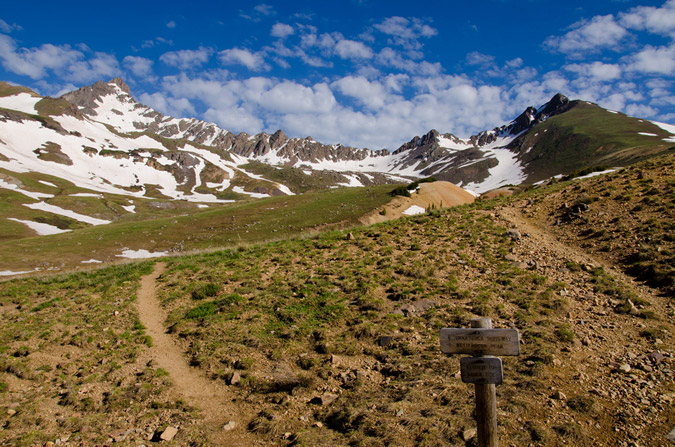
[[654, 60], [477, 58], [282, 30], [655, 20], [589, 36], [139, 66], [405, 32], [34, 62], [596, 70], [177, 107], [187, 59], [350, 49], [238, 56], [371, 94], [101, 66], [171, 24]]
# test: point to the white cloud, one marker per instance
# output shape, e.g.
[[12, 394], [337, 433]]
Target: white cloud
[[264, 9], [187, 59], [654, 60], [101, 66], [655, 20], [171, 24], [259, 12], [405, 32], [139, 66], [641, 110], [282, 30], [7, 28], [589, 37], [477, 58], [236, 120], [371, 94], [177, 107], [34, 62], [238, 56], [291, 97], [350, 49], [596, 70]]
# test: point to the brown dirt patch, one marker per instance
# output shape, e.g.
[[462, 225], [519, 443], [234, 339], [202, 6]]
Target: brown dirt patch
[[437, 194]]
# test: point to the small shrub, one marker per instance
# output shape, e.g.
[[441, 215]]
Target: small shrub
[[203, 310], [204, 291]]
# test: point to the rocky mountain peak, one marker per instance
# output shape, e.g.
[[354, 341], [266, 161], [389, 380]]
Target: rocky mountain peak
[[85, 98], [121, 84]]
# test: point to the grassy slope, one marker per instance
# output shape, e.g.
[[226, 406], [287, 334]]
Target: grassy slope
[[295, 178], [301, 320], [588, 135], [630, 221], [190, 229]]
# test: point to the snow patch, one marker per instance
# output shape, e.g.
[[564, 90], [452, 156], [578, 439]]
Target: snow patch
[[42, 229], [42, 206], [414, 210], [595, 174], [129, 208], [31, 194], [140, 254], [91, 261], [48, 183], [352, 181], [240, 190], [23, 102], [285, 189], [447, 143], [87, 194], [10, 273], [667, 127], [647, 134]]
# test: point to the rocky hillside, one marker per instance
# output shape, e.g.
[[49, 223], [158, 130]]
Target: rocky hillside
[[334, 340]]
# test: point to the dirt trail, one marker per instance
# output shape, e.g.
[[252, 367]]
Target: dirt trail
[[545, 240], [214, 402]]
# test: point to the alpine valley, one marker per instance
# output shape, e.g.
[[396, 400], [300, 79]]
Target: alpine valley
[[96, 156], [297, 289]]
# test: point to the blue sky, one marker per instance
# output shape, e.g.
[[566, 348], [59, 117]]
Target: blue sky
[[363, 73]]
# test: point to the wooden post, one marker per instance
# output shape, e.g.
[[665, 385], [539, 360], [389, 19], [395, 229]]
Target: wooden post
[[486, 402]]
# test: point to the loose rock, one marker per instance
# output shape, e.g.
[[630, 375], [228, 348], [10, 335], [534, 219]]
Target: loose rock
[[168, 434]]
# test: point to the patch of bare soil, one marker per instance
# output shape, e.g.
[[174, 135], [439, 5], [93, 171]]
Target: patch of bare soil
[[215, 403], [434, 194]]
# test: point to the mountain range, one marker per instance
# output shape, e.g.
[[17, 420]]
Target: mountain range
[[101, 139]]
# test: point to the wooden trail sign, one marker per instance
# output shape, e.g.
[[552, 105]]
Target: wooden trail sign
[[480, 341], [483, 370]]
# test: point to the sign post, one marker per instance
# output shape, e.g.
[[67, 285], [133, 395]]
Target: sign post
[[483, 370]]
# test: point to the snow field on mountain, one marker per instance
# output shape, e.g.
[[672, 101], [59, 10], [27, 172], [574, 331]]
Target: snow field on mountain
[[108, 105], [42, 229], [668, 128], [256, 195], [23, 102], [508, 171], [450, 144], [42, 206], [100, 173], [31, 194]]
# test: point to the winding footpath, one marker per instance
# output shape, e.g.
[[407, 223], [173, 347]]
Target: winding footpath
[[189, 383]]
